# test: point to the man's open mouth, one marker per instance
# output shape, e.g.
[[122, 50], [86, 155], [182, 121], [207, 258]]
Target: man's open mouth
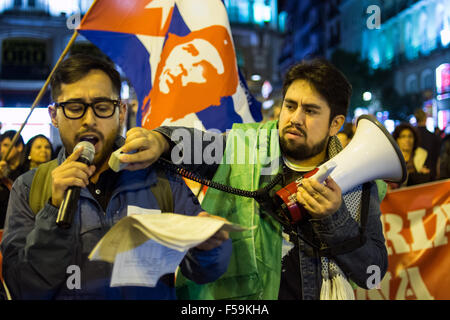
[[90, 138]]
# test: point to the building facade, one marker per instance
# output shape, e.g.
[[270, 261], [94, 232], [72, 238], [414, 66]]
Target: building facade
[[258, 40], [409, 37], [313, 29], [413, 40], [33, 34]]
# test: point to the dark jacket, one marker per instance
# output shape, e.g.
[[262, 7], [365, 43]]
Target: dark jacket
[[4, 193], [37, 254], [432, 144]]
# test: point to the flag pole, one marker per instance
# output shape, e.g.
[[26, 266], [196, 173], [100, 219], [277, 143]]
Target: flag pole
[[44, 87]]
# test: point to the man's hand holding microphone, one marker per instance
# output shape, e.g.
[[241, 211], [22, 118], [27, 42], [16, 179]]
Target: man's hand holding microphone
[[68, 178], [74, 173]]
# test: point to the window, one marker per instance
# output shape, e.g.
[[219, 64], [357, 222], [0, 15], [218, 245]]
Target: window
[[411, 84], [24, 58], [426, 79]]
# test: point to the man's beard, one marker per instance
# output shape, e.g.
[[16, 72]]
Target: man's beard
[[301, 151], [107, 148]]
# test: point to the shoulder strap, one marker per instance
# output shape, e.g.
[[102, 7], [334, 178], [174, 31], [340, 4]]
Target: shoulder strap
[[162, 191], [41, 187]]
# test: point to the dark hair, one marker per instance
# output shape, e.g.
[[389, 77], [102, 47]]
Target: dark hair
[[347, 129], [10, 134], [406, 126], [78, 66], [29, 145], [331, 83]]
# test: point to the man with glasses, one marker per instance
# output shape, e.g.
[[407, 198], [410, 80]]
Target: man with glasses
[[37, 253]]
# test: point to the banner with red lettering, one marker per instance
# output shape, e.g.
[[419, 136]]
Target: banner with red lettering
[[416, 227]]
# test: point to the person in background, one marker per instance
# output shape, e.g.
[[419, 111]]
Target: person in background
[[439, 133], [415, 157], [276, 110], [428, 141], [38, 150], [132, 104], [271, 113], [346, 135], [10, 168]]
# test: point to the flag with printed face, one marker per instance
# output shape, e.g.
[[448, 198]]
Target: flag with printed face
[[179, 56]]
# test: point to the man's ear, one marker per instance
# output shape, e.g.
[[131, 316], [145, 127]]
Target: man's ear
[[122, 115], [52, 113], [336, 124]]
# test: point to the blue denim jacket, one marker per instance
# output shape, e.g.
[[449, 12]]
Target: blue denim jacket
[[332, 230], [335, 229]]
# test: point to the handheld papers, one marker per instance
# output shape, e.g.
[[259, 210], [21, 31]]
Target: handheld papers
[[144, 247]]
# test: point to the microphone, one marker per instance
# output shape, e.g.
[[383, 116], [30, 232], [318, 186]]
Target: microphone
[[70, 203]]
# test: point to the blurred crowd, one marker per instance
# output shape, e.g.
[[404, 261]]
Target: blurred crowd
[[19, 159], [426, 154]]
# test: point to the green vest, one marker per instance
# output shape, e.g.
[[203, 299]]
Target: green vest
[[255, 267]]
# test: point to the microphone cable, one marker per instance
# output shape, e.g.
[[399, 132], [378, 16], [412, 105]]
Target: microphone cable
[[257, 194]]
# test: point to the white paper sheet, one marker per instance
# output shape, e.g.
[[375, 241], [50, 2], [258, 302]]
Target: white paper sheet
[[143, 247], [144, 265]]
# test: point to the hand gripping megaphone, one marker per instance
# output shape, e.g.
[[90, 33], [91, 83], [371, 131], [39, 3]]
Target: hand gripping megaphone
[[371, 154]]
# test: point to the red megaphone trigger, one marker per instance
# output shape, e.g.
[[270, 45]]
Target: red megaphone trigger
[[293, 211], [310, 174]]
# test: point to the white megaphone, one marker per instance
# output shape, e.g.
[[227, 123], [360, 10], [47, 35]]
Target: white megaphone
[[371, 154]]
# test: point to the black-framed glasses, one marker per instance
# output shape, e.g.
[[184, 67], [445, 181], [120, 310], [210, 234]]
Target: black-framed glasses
[[104, 108]]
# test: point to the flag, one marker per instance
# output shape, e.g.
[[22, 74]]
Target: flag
[[179, 56]]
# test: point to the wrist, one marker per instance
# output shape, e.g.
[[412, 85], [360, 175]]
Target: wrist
[[54, 203], [163, 143]]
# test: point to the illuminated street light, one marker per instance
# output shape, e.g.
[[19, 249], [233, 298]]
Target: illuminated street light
[[367, 96]]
